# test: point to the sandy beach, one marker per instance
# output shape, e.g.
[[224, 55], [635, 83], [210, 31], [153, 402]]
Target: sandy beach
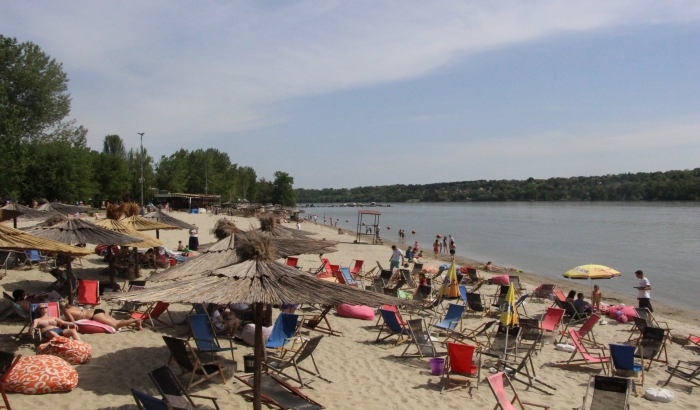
[[364, 374]]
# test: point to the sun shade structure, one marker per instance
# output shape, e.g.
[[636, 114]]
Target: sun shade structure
[[591, 272], [116, 226], [9, 214], [75, 230], [64, 209], [268, 226], [141, 224], [161, 217], [29, 213], [258, 280], [15, 239]]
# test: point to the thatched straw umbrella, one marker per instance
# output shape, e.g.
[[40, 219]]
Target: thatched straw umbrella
[[73, 231], [258, 280], [116, 226], [218, 255], [224, 228], [162, 217], [10, 214], [29, 213], [140, 224], [14, 239], [268, 226], [65, 209]]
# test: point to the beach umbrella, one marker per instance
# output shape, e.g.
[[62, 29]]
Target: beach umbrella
[[450, 286], [65, 209], [162, 217], [257, 279], [10, 214], [14, 239], [140, 224], [146, 241], [28, 213], [268, 226], [509, 315], [591, 272]]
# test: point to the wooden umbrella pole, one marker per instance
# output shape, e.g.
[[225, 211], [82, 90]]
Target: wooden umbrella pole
[[257, 375], [157, 233], [110, 259], [137, 263], [69, 275]]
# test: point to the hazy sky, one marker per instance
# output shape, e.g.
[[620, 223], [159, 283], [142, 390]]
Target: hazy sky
[[352, 93]]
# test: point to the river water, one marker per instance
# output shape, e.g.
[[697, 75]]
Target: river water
[[549, 238]]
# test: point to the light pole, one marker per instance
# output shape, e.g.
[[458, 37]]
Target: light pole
[[141, 179]]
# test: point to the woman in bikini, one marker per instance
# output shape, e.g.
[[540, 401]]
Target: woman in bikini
[[74, 313], [50, 327]]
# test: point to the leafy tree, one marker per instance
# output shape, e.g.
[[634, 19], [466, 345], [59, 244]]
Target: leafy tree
[[282, 189], [114, 145], [263, 192], [111, 170], [133, 161]]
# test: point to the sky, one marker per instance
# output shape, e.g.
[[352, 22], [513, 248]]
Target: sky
[[343, 94]]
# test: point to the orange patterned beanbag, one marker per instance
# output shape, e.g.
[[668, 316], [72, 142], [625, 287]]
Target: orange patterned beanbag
[[41, 374], [72, 351]]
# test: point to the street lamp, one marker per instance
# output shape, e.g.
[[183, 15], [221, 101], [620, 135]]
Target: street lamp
[[141, 179]]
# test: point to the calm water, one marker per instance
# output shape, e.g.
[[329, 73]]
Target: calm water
[[662, 239]]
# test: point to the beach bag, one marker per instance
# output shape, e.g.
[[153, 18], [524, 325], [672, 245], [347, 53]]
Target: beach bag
[[72, 351], [355, 311], [41, 374]]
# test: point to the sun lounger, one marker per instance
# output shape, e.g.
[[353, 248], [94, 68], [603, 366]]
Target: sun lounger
[[189, 363], [652, 345], [460, 362], [315, 323], [502, 400], [523, 366], [542, 292], [623, 364], [172, 391], [277, 392], [689, 373], [609, 393], [587, 358], [305, 351]]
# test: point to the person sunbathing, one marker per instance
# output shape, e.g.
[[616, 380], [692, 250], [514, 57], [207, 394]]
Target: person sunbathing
[[50, 327], [74, 313]]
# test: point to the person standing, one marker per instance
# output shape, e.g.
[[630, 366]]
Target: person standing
[[453, 249], [436, 247], [444, 243], [396, 258], [194, 238], [644, 288]]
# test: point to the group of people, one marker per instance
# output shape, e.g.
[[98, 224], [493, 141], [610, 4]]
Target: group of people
[[585, 308]]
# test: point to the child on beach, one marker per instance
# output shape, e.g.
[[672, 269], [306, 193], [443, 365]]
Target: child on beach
[[596, 297], [436, 247]]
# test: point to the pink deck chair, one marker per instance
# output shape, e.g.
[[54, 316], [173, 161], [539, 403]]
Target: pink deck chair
[[551, 322], [588, 358], [89, 292], [499, 391], [585, 332], [460, 362], [153, 313], [327, 271], [357, 268], [558, 294], [293, 262], [694, 340]]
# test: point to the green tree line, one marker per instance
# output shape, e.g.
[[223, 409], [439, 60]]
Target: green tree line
[[642, 186], [45, 155]]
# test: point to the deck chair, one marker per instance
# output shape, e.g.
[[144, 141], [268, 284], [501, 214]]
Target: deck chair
[[276, 392], [558, 295], [408, 280], [460, 362], [378, 284], [147, 402], [417, 267], [293, 262], [189, 363], [306, 350], [515, 281], [523, 366], [393, 327], [476, 287], [651, 345], [420, 338], [7, 362], [357, 268], [609, 393], [389, 308], [623, 364], [531, 333], [500, 344], [571, 312], [519, 304], [14, 308], [88, 293], [32, 258], [694, 340], [54, 310], [542, 292], [645, 318], [153, 313], [687, 373], [345, 278], [638, 327], [585, 332], [387, 275], [283, 331], [473, 275], [499, 298], [476, 304], [502, 400], [452, 319], [473, 334], [315, 323], [320, 269], [587, 358], [204, 337], [551, 321], [173, 392]]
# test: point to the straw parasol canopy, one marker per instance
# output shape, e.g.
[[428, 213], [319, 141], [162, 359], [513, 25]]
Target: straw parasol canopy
[[9, 214], [140, 224], [162, 217], [75, 230], [258, 280], [112, 225], [15, 239], [65, 209], [29, 213], [268, 226]]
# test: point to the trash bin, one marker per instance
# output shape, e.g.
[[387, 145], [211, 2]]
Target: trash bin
[[249, 363], [437, 366]]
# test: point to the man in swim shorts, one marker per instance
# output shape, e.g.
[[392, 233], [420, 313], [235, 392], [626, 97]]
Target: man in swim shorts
[[396, 258]]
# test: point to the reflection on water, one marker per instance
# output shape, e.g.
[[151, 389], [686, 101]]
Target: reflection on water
[[662, 239]]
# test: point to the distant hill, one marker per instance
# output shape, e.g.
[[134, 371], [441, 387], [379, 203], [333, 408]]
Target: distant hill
[[642, 186]]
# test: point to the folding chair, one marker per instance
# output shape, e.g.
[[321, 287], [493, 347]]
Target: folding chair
[[276, 392], [460, 362], [314, 323], [551, 321], [204, 337], [357, 268], [406, 274], [283, 331], [173, 392], [378, 284], [515, 281], [393, 327], [54, 310], [452, 319], [558, 295], [520, 304], [420, 338], [189, 363], [345, 278], [502, 400], [293, 262], [503, 340], [585, 332], [524, 367], [33, 258], [7, 362], [571, 312], [623, 364], [147, 402], [476, 304], [305, 351], [153, 314], [587, 358], [651, 345], [417, 268], [473, 334], [473, 275], [645, 314], [476, 287], [609, 393], [88, 293], [687, 373], [499, 298], [531, 333], [542, 292]]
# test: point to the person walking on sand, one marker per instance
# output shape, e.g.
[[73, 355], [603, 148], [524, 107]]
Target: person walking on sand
[[396, 259], [644, 288]]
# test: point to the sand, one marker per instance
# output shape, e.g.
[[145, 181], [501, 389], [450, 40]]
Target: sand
[[364, 374]]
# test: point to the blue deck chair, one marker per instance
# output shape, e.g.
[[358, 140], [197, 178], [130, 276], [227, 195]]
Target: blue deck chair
[[624, 365], [283, 331], [347, 277], [453, 317], [205, 339], [199, 308], [393, 327], [146, 402], [463, 294]]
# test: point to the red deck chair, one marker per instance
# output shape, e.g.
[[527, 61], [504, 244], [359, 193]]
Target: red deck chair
[[293, 262], [334, 271], [357, 268], [326, 271], [694, 340], [460, 362], [588, 358], [153, 313], [558, 294], [89, 292], [585, 332], [551, 322], [499, 391]]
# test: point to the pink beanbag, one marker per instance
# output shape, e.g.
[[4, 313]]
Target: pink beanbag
[[86, 326], [626, 310], [501, 280], [41, 374], [355, 311], [72, 351]]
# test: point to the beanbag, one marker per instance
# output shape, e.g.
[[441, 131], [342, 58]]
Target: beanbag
[[659, 394], [355, 311], [627, 310], [72, 351], [88, 327], [622, 318], [248, 334], [41, 374], [503, 280]]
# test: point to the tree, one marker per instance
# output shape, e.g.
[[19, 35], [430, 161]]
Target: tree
[[111, 170], [114, 145], [133, 161], [282, 189]]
